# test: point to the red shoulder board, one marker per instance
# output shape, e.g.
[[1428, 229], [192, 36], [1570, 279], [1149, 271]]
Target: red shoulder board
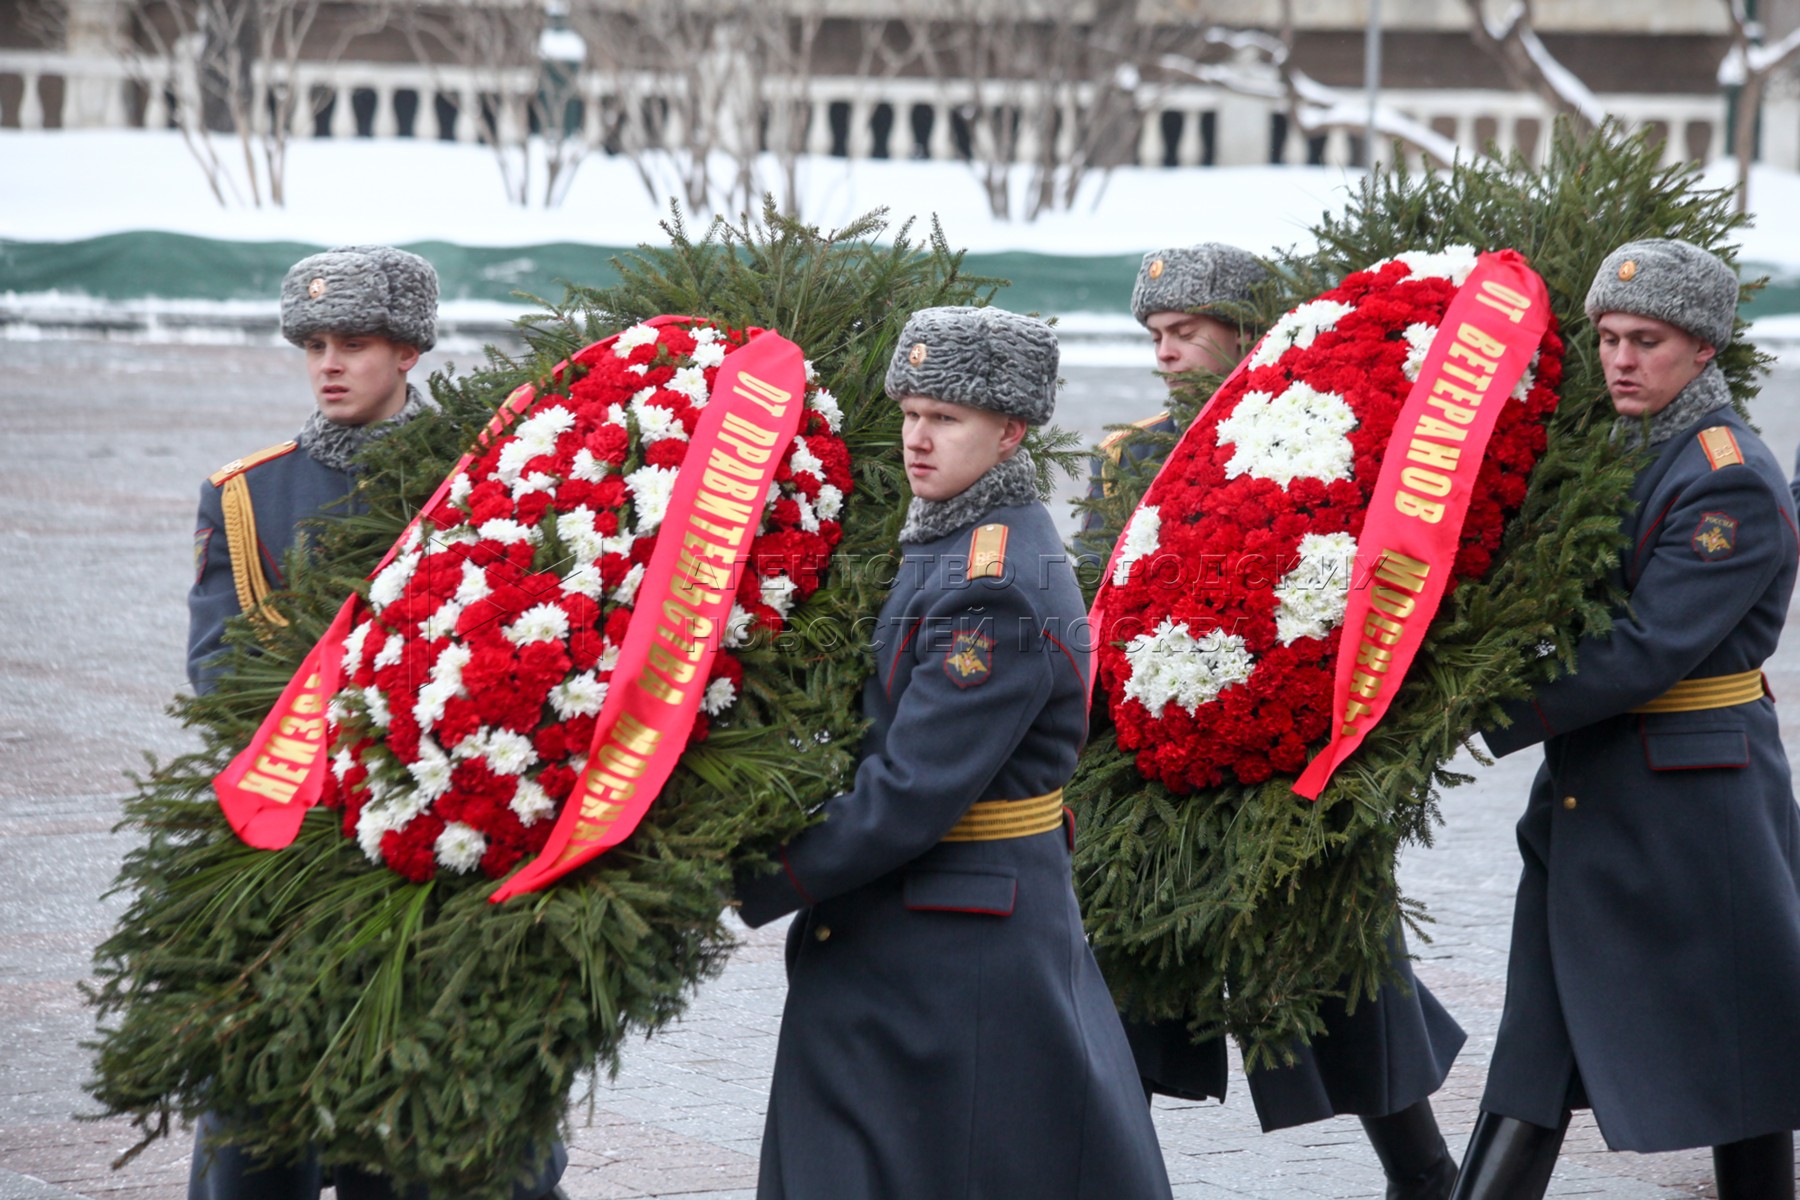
[[1721, 448], [238, 466]]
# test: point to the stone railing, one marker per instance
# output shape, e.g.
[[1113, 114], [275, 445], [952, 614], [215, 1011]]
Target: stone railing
[[847, 117]]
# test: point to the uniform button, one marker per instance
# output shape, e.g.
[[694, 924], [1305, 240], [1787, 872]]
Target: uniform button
[[823, 932], [1568, 802]]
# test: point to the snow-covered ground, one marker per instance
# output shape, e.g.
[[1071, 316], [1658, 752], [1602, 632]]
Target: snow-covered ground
[[66, 186]]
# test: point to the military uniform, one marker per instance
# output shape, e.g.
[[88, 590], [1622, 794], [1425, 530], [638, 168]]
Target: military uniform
[[946, 1030], [1655, 965], [277, 491]]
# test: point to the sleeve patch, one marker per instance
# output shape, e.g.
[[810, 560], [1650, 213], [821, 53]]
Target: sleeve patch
[[1715, 537], [1721, 448], [202, 539], [970, 659]]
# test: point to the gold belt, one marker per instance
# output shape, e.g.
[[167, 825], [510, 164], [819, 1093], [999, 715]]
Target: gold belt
[[1719, 691], [997, 820]]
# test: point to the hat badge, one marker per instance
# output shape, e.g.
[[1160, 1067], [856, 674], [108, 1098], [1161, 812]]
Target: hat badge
[[1627, 270], [317, 287], [1157, 268], [917, 354]]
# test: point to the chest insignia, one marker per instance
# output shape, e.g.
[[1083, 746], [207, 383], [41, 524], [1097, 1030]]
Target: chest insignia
[[1715, 537], [1721, 448], [970, 659]]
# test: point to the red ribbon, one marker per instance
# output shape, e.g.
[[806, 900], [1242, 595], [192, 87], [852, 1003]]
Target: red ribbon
[[1414, 523]]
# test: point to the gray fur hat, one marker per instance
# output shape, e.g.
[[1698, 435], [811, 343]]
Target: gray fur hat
[[1194, 279], [981, 357], [361, 289], [1669, 280]]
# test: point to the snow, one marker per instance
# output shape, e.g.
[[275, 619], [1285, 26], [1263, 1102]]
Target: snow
[[66, 186]]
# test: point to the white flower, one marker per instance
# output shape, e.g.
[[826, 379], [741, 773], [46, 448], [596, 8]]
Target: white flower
[[342, 762], [513, 457], [705, 335], [460, 487], [353, 648], [337, 711], [812, 372], [708, 354], [531, 803], [1143, 534], [826, 405], [539, 623], [1311, 597], [809, 520], [385, 810], [460, 847], [626, 592], [1299, 434], [720, 695], [778, 593], [581, 696], [615, 415], [1298, 329], [507, 531], [377, 705], [690, 382], [441, 540], [830, 502], [586, 467], [1453, 263], [657, 422], [631, 339], [1418, 339], [639, 368], [534, 436], [609, 657], [391, 650], [537, 481], [391, 582], [442, 623], [584, 581], [801, 458], [1528, 380], [1171, 664], [432, 772], [737, 628], [474, 585], [650, 488], [414, 535], [506, 752], [428, 709]]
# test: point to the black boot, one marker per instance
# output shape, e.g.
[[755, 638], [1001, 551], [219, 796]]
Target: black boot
[[1508, 1159], [1412, 1153], [1758, 1168]]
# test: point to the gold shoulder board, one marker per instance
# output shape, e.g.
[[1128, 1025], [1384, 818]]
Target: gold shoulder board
[[1721, 448], [987, 552], [238, 466]]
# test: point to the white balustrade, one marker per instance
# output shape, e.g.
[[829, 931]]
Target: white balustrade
[[1241, 124]]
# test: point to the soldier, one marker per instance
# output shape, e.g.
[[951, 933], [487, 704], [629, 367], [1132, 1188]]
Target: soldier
[[1383, 1061], [363, 314], [1655, 965], [946, 1031]]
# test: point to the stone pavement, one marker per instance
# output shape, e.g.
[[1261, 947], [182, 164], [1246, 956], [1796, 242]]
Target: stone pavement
[[102, 447]]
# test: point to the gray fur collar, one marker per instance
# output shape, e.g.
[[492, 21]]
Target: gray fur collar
[[333, 445], [1011, 481], [1707, 393]]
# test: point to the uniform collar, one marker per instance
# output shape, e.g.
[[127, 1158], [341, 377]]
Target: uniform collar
[[1012, 481], [1706, 393], [333, 445]]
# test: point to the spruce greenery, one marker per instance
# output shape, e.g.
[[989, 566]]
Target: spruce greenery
[[1240, 909], [417, 1029]]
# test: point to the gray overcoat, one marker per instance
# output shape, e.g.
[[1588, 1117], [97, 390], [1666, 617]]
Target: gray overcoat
[[1655, 966], [947, 1035]]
